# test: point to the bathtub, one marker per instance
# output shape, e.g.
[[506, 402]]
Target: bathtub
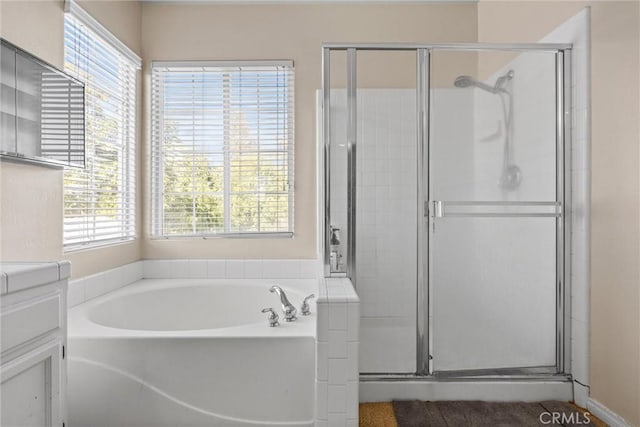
[[171, 352]]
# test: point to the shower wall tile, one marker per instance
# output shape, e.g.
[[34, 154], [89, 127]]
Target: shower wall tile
[[386, 217], [337, 371], [180, 268], [322, 322], [322, 355], [580, 345], [322, 390], [89, 287], [576, 31], [235, 269], [197, 268], [104, 282], [156, 269], [253, 269], [132, 272], [338, 316], [337, 343], [216, 269], [75, 293], [85, 288], [337, 420], [232, 269], [352, 396], [337, 400]]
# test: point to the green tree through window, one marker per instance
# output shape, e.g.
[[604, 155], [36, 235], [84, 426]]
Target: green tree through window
[[223, 150], [99, 200]]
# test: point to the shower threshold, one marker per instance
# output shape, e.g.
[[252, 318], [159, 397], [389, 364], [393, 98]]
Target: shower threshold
[[484, 375], [506, 388]]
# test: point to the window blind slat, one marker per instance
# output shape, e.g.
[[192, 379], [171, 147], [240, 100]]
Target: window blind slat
[[99, 201], [222, 149]]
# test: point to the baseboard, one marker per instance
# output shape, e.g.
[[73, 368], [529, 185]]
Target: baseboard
[[606, 414]]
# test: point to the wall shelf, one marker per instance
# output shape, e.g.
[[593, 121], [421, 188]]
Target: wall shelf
[[42, 116]]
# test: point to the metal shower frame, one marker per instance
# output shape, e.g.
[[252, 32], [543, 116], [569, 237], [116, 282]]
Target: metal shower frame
[[561, 371]]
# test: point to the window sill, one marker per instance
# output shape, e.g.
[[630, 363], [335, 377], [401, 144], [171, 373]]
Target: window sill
[[81, 247], [279, 235]]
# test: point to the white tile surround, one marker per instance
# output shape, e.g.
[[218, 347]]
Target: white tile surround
[[86, 288], [338, 321], [576, 31], [337, 372]]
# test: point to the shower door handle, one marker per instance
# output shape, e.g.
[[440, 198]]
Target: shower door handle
[[438, 209], [495, 209]]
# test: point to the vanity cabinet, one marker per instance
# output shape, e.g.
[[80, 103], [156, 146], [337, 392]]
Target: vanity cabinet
[[33, 344], [41, 111]]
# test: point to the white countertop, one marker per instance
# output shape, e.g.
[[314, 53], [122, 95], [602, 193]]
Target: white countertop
[[17, 276]]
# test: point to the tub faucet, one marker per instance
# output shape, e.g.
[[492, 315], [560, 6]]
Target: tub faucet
[[288, 308], [273, 316], [305, 310]]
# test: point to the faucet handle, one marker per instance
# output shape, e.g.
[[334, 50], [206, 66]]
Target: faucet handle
[[305, 305], [273, 316]]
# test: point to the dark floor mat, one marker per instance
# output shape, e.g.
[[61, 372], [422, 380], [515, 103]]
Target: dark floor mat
[[414, 413]]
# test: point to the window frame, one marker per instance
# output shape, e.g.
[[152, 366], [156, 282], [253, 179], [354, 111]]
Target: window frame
[[126, 168], [157, 174]]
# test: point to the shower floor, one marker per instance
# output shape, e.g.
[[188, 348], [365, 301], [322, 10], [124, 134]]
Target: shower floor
[[414, 413]]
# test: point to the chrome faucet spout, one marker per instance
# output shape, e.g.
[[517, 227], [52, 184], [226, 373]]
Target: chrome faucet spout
[[288, 308]]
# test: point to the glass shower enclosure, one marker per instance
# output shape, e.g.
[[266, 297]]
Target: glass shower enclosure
[[445, 190]]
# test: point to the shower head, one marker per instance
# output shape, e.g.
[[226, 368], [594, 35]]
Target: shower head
[[468, 81], [464, 81]]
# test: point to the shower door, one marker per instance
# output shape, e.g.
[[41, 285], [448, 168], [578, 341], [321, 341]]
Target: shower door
[[494, 217], [445, 195]]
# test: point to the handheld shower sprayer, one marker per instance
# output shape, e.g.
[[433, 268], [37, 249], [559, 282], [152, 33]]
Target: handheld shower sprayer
[[511, 175], [498, 87]]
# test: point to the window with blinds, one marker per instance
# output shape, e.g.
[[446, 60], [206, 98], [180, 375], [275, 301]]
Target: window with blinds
[[222, 148], [99, 200]]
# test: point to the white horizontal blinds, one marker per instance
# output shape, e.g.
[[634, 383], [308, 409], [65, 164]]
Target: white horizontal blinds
[[99, 201], [62, 119], [222, 157]]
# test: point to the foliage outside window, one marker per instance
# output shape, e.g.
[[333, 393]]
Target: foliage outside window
[[99, 201], [222, 148]]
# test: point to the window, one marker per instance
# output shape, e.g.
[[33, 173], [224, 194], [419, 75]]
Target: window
[[99, 200], [222, 148]]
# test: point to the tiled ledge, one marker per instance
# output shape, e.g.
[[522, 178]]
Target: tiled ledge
[[337, 372], [86, 288], [18, 276], [231, 269]]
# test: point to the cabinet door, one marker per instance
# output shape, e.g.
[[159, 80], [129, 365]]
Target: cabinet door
[[8, 100], [29, 76], [31, 394]]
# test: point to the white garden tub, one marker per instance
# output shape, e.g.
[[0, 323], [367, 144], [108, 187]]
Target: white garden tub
[[172, 352]]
